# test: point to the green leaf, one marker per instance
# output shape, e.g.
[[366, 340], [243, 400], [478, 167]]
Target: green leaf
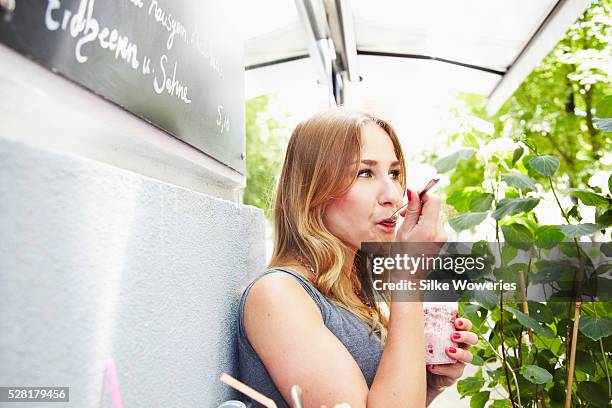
[[573, 212], [547, 236], [550, 270], [591, 199], [595, 329], [486, 299], [518, 236], [536, 375], [475, 313], [480, 203], [517, 154], [466, 201], [557, 393], [508, 253], [469, 140], [603, 269], [479, 400], [500, 404], [545, 165], [519, 180], [594, 393], [449, 162], [531, 323], [610, 183], [477, 360], [467, 220], [470, 385], [604, 108], [540, 312], [606, 248], [578, 230], [603, 217], [509, 206], [604, 124]]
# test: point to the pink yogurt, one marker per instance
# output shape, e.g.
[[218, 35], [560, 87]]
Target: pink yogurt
[[439, 327]]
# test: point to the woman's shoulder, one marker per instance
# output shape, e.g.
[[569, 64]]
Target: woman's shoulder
[[278, 297], [277, 286]]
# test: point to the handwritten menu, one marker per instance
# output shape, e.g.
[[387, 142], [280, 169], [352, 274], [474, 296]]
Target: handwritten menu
[[176, 63]]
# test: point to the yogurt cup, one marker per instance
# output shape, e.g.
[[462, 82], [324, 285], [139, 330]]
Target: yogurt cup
[[439, 326]]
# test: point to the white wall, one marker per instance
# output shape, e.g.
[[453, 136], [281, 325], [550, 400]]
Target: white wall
[[116, 241]]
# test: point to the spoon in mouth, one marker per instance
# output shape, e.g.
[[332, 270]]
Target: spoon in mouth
[[428, 187]]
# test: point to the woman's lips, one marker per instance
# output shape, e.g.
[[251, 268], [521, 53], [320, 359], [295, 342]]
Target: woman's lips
[[387, 226]]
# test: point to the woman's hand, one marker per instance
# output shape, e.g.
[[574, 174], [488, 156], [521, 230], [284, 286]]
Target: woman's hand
[[423, 230], [444, 375], [422, 220]]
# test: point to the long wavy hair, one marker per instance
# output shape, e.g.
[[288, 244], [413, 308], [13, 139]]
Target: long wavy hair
[[315, 170]]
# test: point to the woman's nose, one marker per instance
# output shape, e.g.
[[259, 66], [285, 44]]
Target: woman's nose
[[390, 194]]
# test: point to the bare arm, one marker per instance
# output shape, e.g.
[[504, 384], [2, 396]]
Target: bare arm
[[401, 378]]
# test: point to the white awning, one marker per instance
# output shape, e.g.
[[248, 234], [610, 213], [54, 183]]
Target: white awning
[[413, 57], [496, 37]]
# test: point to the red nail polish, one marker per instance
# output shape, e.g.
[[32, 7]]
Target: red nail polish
[[409, 193], [456, 335], [452, 349], [460, 323]]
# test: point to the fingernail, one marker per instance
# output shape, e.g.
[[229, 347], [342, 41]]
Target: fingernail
[[433, 366], [452, 349], [460, 323], [456, 335], [409, 193]]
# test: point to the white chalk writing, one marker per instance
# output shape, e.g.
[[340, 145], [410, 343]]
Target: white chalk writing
[[168, 21], [171, 86]]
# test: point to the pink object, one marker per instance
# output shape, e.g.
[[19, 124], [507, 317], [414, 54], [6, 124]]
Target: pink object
[[111, 377], [439, 327]]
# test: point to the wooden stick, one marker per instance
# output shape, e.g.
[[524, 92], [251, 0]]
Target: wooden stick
[[245, 389], [572, 356]]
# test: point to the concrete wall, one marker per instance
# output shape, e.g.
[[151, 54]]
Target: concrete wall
[[101, 262], [97, 263]]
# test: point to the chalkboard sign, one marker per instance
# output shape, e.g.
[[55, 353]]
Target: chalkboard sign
[[175, 63]]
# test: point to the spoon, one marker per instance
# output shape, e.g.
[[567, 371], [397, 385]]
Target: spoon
[[429, 185]]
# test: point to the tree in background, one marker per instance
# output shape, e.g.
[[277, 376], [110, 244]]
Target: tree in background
[[266, 142], [544, 145], [554, 108]]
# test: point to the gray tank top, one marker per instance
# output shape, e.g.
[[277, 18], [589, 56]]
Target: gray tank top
[[348, 328]]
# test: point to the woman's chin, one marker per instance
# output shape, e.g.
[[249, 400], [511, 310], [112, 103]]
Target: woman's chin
[[384, 236]]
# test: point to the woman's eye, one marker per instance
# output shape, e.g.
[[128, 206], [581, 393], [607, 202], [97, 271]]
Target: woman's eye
[[367, 171], [396, 174]]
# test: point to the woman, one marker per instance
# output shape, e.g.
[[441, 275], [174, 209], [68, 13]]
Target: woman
[[304, 321]]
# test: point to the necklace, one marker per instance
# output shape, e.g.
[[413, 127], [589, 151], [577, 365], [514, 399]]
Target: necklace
[[357, 292]]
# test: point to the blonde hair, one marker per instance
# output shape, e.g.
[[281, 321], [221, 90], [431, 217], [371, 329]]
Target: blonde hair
[[316, 169]]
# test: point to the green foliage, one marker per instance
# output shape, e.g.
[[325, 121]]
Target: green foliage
[[596, 328], [449, 162], [509, 206], [532, 323], [545, 165], [604, 114], [536, 375], [518, 236], [467, 220], [266, 142], [519, 180], [578, 230], [549, 140]]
